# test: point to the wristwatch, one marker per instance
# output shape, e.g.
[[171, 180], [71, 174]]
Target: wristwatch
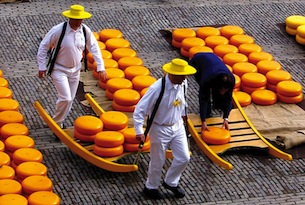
[[226, 119]]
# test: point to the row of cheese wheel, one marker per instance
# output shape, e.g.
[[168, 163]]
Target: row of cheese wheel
[[23, 176], [252, 68], [295, 26]]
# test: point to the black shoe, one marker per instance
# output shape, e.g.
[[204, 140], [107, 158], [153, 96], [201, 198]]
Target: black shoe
[[178, 192], [152, 193]]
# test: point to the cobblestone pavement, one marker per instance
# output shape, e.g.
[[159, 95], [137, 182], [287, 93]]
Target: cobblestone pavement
[[257, 178]]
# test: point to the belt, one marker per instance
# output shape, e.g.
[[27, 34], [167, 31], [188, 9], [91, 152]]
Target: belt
[[164, 124]]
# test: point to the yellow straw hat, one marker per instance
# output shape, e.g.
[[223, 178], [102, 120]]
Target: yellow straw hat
[[178, 67], [76, 12]]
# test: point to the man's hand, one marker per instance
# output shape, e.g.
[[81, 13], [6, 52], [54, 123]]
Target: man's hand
[[103, 75], [42, 73], [225, 124], [204, 127], [140, 137]]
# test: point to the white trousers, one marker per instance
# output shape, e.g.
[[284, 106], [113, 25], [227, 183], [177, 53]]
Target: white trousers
[[66, 83], [162, 138]]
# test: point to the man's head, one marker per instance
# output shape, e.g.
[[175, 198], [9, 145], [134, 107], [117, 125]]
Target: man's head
[[223, 83]]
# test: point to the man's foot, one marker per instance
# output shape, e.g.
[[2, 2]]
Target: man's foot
[[178, 192], [152, 193]]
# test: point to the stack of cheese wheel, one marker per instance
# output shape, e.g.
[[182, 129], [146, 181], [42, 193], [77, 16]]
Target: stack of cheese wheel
[[131, 144], [43, 197], [11, 116], [300, 37], [199, 49], [119, 53], [9, 104], [230, 30], [96, 35], [232, 58], [213, 41], [241, 68], [188, 43], [106, 54], [289, 92], [26, 169], [114, 43], [13, 199], [265, 66], [247, 48], [125, 62], [276, 76], [264, 97], [108, 144], [11, 129], [16, 142], [6, 92], [5, 159], [10, 186], [216, 136], [111, 63], [26, 154], [7, 172], [243, 98], [125, 100], [240, 39], [3, 82], [255, 57], [293, 22], [114, 121], [111, 73], [106, 34], [34, 183], [142, 81], [237, 82], [253, 81], [181, 33], [135, 70], [207, 31], [86, 127], [222, 50], [114, 84]]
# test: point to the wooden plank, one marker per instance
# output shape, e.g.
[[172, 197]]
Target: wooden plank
[[240, 132], [244, 138]]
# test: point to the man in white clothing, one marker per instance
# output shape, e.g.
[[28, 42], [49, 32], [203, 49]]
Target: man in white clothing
[[66, 72], [167, 129]]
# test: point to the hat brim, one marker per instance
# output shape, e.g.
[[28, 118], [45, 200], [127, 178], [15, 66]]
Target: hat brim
[[188, 70], [84, 15]]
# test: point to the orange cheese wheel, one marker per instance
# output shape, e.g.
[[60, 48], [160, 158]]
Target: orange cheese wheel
[[255, 57], [2, 146], [247, 48], [101, 84], [123, 108], [130, 136], [126, 97], [9, 104], [10, 129], [276, 76], [92, 66], [114, 43], [271, 87], [176, 44], [96, 35], [136, 70], [113, 73], [249, 90], [294, 21], [301, 31], [143, 91], [206, 31], [213, 41], [239, 39], [243, 98], [119, 53], [33, 184], [6, 172], [90, 57], [101, 45], [15, 142], [10, 116], [216, 136], [291, 31], [13, 199], [184, 52], [3, 82], [222, 50], [141, 82], [230, 30], [45, 197], [109, 139], [88, 125], [289, 88], [264, 97], [254, 80], [83, 137], [115, 84], [230, 68], [95, 74], [5, 159], [109, 95], [125, 62], [114, 120], [6, 93], [300, 39], [237, 81], [190, 42], [290, 100], [242, 68], [181, 33], [27, 169], [106, 54], [1, 74], [108, 151], [27, 154], [111, 63], [265, 66], [10, 186], [131, 147], [199, 49], [106, 34], [232, 58]]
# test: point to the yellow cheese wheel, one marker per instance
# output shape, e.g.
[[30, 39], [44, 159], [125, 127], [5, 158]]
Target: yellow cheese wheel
[[114, 120], [44, 197], [301, 31], [83, 137], [10, 116], [33, 184], [289, 88], [131, 147], [10, 186], [276, 76], [6, 172], [232, 58], [249, 89], [109, 139], [15, 142], [88, 125], [14, 128], [130, 136], [243, 98], [238, 39], [115, 84], [294, 21], [110, 63], [96, 35], [291, 31], [213, 41], [184, 52], [247, 48], [141, 82], [27, 154], [136, 70], [265, 66], [108, 151], [242, 68], [129, 61], [190, 42], [264, 97], [27, 169], [176, 44], [126, 97], [181, 33], [106, 54], [222, 50], [216, 136], [230, 30], [199, 49], [13, 199], [9, 104], [122, 108], [237, 81], [255, 57], [3, 82], [113, 43], [5, 159], [143, 91], [106, 34], [113, 73], [230, 68], [5, 92], [101, 45], [206, 31], [290, 100], [254, 80], [119, 53], [300, 40]]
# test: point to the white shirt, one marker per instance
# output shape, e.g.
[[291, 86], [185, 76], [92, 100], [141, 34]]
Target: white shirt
[[72, 46], [171, 108]]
